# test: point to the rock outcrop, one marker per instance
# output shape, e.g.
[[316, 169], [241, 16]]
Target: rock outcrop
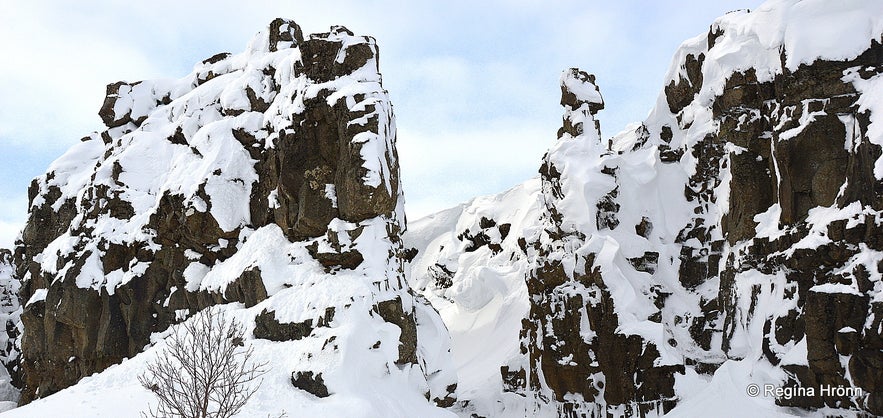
[[734, 235], [265, 181], [574, 277]]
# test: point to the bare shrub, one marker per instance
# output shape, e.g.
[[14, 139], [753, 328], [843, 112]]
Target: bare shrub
[[205, 371]]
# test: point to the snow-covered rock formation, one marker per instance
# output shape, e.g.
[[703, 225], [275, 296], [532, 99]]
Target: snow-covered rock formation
[[733, 237], [10, 331], [265, 182]]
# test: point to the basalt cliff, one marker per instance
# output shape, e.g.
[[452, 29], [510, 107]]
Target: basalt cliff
[[732, 238], [264, 184]]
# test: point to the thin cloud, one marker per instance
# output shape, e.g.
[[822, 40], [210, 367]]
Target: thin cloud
[[436, 174], [474, 83], [12, 218]]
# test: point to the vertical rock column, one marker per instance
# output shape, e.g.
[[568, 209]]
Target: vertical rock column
[[574, 355]]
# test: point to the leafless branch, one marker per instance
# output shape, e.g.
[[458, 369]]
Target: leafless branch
[[205, 370]]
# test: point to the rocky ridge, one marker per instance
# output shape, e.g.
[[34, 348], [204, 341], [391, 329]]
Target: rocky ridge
[[733, 236]]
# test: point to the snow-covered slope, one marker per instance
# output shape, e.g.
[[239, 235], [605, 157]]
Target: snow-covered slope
[[731, 238], [472, 270], [265, 182]]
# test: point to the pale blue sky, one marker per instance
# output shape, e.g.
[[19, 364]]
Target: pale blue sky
[[474, 83]]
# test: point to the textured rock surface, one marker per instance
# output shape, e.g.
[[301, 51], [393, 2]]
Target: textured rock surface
[[600, 368], [799, 148], [268, 178]]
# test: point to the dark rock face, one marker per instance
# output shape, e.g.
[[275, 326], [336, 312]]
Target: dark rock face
[[268, 328], [324, 149], [611, 368], [571, 337], [755, 247], [792, 158], [313, 384], [322, 171], [392, 311], [738, 224], [799, 167], [679, 94]]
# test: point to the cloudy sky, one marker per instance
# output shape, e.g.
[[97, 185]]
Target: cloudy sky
[[474, 83]]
